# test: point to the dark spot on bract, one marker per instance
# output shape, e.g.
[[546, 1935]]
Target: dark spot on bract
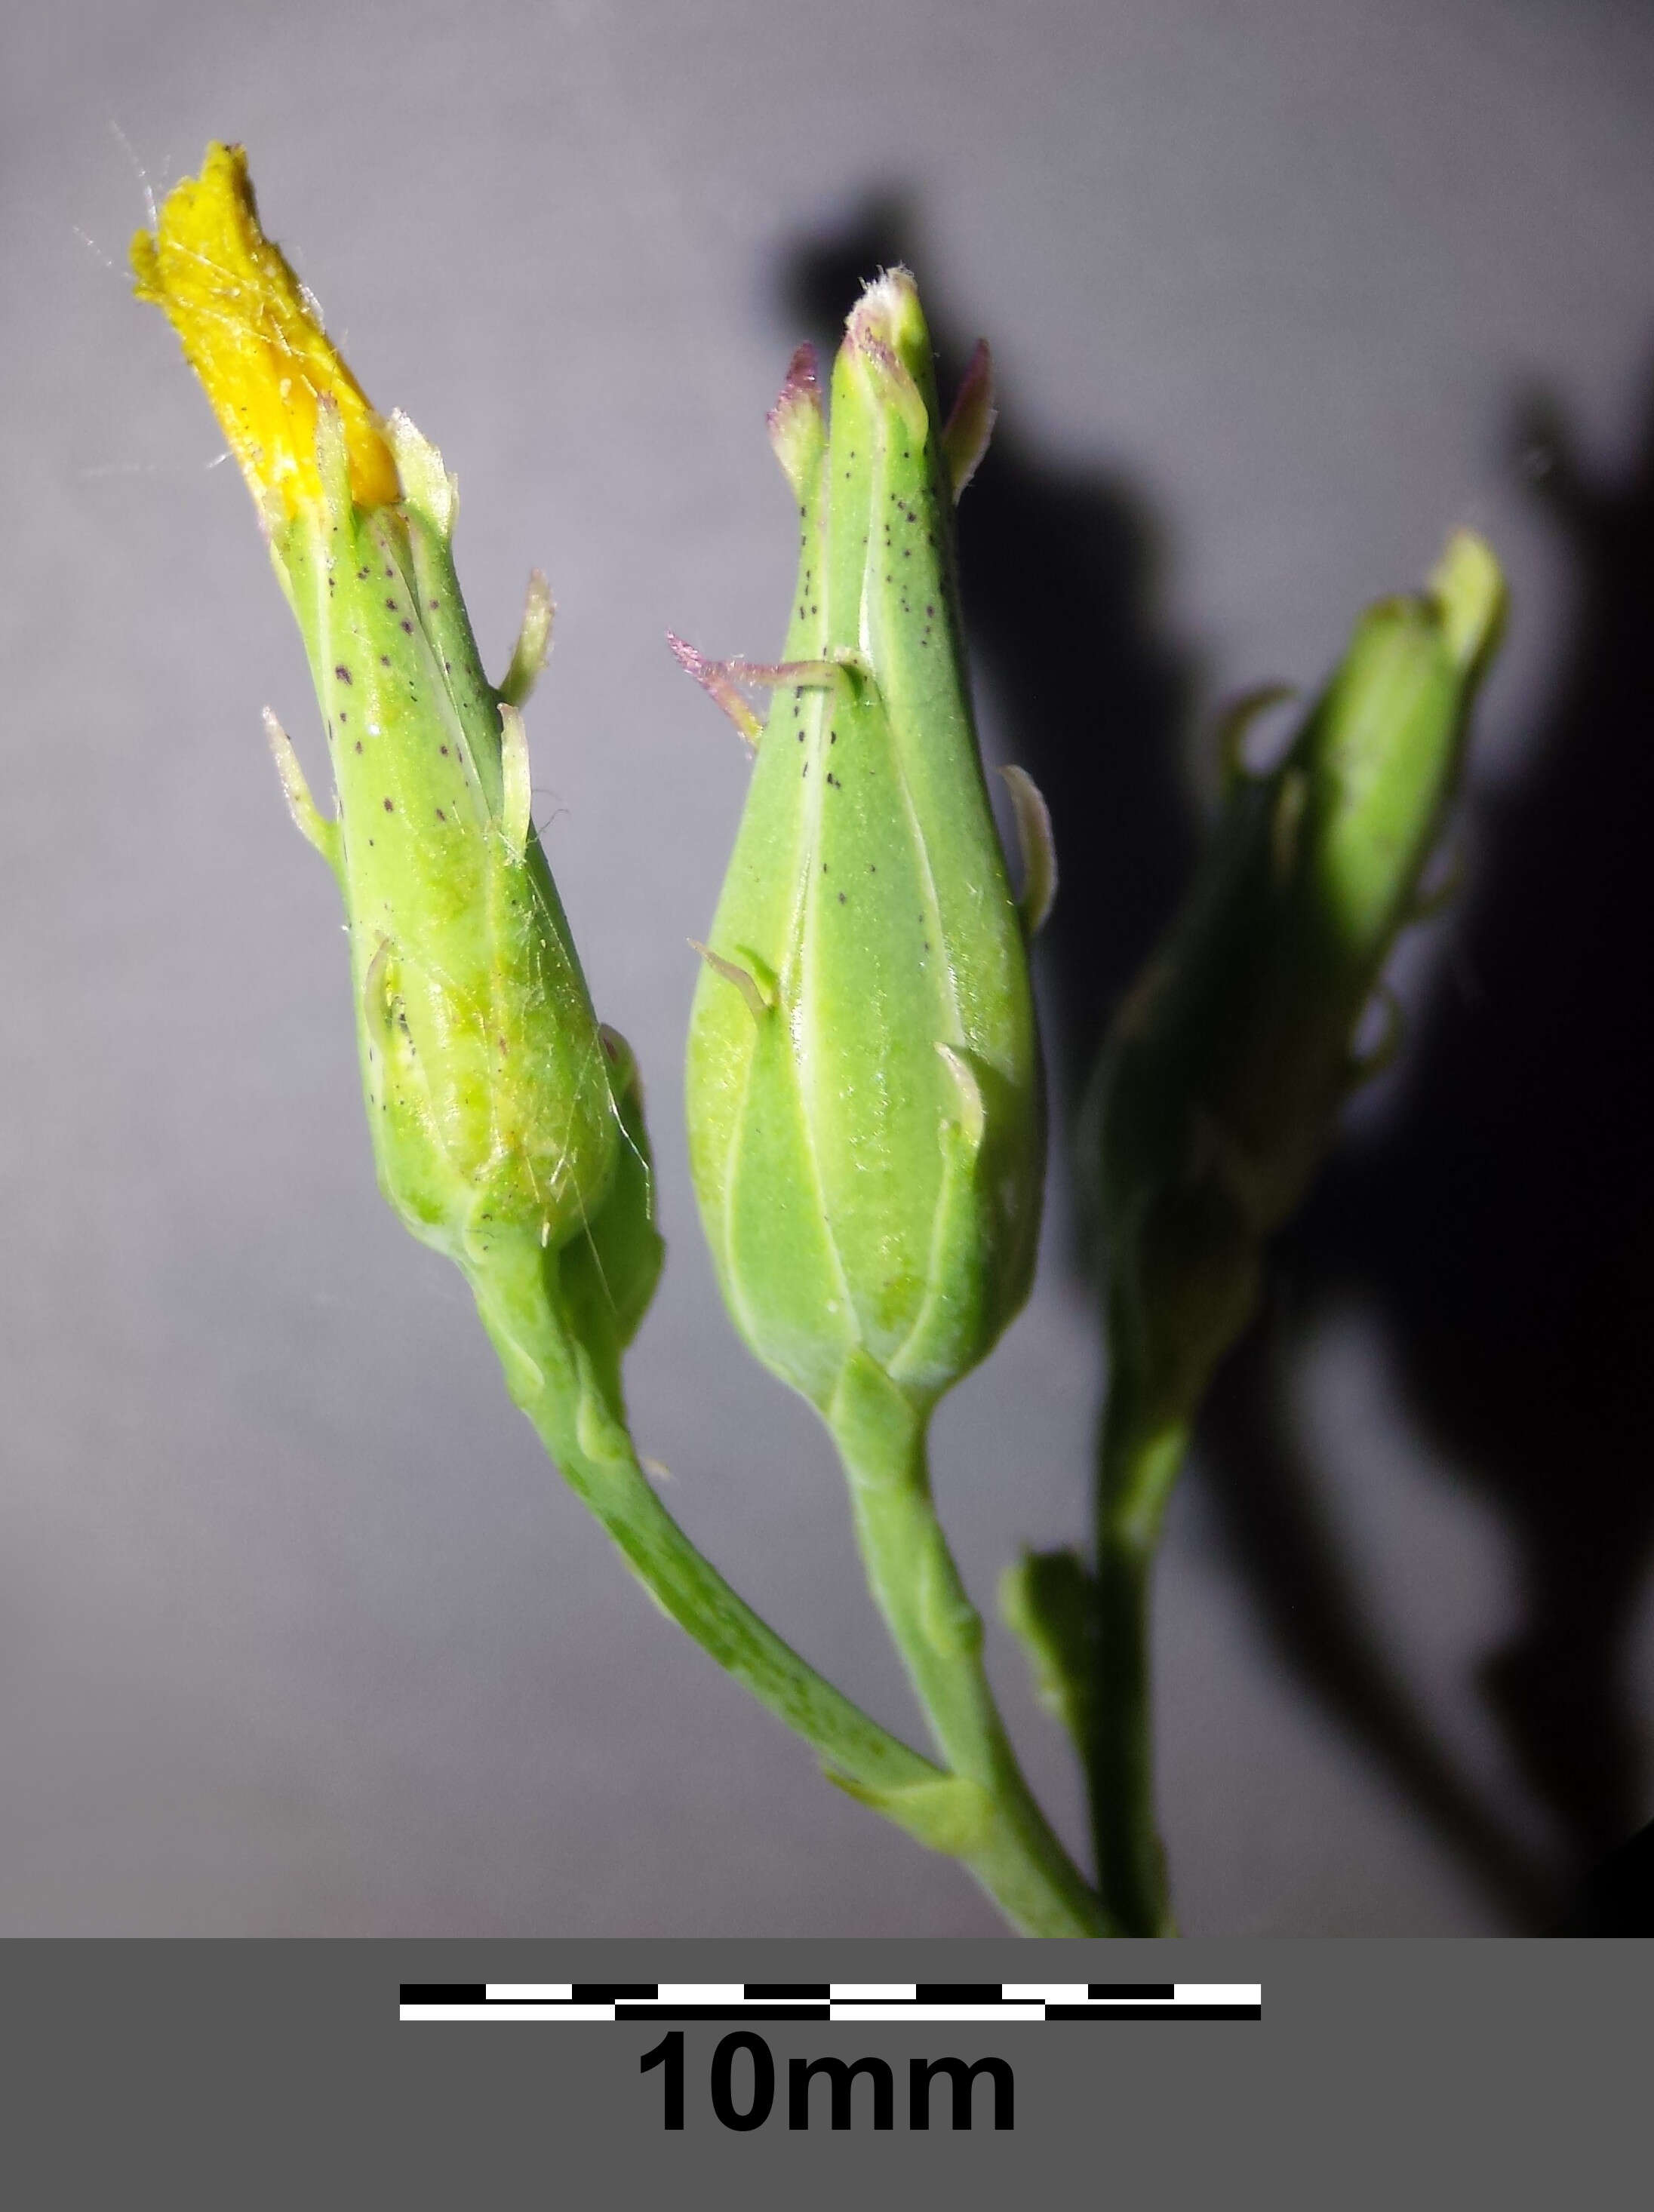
[[341, 671], [841, 898], [408, 626], [384, 659], [358, 744], [441, 816], [389, 809]]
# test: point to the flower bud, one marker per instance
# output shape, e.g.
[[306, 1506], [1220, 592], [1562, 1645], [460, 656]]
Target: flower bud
[[864, 1112], [1221, 1082], [497, 1107]]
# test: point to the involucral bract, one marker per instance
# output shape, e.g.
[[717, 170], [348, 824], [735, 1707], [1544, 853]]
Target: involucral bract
[[865, 1107]]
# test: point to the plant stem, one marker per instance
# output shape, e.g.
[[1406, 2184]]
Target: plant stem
[[1001, 1835], [1138, 1462], [586, 1437], [1017, 1855]]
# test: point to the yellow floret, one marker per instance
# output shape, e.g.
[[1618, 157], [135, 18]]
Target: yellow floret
[[251, 335]]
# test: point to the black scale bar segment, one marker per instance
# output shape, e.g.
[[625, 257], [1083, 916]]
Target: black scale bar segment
[[444, 1992], [612, 1992], [1154, 2012], [1131, 1990], [796, 1989]]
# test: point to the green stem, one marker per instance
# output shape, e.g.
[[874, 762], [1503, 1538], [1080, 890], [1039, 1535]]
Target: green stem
[[577, 1421], [1012, 1850], [1137, 1459]]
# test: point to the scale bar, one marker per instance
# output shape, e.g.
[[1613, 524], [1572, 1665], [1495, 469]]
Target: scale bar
[[1047, 2002]]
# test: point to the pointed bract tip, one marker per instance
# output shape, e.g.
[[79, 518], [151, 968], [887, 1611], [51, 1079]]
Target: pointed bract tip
[[717, 679], [425, 483], [1038, 847], [801, 386], [797, 422], [1468, 587], [971, 424], [533, 645]]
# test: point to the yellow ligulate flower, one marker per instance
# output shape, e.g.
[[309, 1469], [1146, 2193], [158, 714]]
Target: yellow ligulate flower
[[251, 332]]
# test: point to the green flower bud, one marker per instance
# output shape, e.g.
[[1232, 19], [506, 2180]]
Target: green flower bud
[[865, 1110], [1222, 1080], [499, 1110]]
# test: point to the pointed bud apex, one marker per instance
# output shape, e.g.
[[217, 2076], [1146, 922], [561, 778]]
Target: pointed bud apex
[[886, 336]]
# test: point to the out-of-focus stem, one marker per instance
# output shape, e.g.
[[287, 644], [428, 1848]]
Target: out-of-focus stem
[[1138, 1460]]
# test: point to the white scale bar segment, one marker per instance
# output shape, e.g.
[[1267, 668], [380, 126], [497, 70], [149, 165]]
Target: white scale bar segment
[[529, 1992], [508, 2013], [983, 2012], [872, 1992]]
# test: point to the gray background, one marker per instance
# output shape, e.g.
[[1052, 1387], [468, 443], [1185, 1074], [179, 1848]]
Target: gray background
[[298, 1633]]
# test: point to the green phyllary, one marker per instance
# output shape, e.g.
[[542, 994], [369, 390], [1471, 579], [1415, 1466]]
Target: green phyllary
[[864, 1091]]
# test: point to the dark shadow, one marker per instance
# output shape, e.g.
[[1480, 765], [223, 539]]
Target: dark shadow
[[1060, 577], [1277, 1532], [1617, 1898], [1505, 1219]]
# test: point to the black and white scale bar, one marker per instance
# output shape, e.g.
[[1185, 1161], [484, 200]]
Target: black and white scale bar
[[539, 2002]]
